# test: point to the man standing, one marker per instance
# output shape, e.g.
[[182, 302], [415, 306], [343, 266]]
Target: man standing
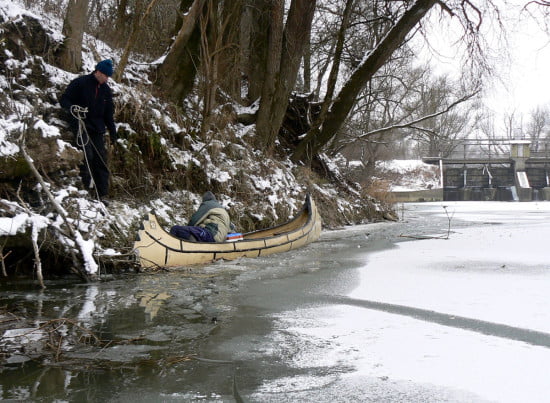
[[92, 93]]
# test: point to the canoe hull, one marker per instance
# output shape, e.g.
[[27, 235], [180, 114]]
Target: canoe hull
[[155, 247]]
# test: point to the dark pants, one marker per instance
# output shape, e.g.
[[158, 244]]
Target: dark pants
[[95, 163], [192, 233]]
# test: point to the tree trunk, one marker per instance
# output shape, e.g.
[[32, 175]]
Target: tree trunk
[[307, 65], [229, 68], [122, 16], [256, 27], [177, 73], [273, 107], [210, 27], [70, 55], [272, 72], [184, 7], [345, 100], [137, 23], [333, 76]]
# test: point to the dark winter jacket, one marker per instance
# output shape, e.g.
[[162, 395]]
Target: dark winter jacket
[[86, 91], [212, 216]]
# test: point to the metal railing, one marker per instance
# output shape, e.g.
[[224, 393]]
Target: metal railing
[[496, 149]]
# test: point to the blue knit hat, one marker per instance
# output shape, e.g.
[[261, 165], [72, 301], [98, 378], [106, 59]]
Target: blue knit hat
[[106, 67]]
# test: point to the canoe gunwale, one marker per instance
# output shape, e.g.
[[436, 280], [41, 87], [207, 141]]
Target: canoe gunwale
[[283, 240], [235, 244]]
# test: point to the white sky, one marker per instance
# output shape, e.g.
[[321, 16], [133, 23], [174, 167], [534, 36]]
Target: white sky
[[520, 81], [526, 79]]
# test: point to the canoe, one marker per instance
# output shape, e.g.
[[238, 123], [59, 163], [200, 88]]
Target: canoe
[[155, 247]]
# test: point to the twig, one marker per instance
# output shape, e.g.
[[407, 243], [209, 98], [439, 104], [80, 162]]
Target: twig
[[10, 320], [58, 351], [447, 236], [34, 240], [63, 321], [449, 218], [3, 257]]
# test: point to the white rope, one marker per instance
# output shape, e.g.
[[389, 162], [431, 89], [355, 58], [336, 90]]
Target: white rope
[[79, 113]]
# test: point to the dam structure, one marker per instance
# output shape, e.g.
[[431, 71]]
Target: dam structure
[[496, 170]]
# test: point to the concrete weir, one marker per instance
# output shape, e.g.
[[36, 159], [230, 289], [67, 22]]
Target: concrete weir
[[522, 175]]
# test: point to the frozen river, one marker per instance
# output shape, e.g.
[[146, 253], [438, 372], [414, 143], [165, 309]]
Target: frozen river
[[449, 304], [460, 319]]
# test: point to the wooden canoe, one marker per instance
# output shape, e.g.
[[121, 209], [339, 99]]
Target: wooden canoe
[[156, 247]]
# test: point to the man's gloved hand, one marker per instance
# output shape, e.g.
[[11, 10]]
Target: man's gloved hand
[[109, 141], [113, 135]]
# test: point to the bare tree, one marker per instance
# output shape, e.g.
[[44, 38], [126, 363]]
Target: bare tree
[[74, 23], [345, 100], [230, 58], [438, 135], [256, 25], [273, 58], [289, 53], [177, 72], [468, 14], [537, 126], [512, 123], [333, 75]]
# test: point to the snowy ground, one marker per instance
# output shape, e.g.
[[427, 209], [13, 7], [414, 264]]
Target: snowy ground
[[407, 175]]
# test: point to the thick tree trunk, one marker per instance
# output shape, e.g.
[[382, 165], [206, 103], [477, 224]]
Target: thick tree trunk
[[176, 75], [210, 33], [256, 27], [229, 68], [70, 55], [345, 100], [272, 73], [273, 107]]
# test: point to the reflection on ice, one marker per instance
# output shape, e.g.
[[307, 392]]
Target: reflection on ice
[[152, 302], [89, 307]]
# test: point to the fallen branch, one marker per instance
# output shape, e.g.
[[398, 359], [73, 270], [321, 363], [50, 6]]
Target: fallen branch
[[37, 261], [88, 260], [424, 236]]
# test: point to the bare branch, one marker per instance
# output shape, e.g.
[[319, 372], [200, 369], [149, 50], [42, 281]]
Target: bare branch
[[416, 121]]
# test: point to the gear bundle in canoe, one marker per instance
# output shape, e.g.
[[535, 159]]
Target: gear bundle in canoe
[[155, 247]]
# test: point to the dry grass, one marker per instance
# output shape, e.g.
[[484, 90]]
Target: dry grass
[[380, 189]]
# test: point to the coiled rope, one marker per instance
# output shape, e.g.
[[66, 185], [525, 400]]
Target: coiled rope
[[83, 139], [79, 113]]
